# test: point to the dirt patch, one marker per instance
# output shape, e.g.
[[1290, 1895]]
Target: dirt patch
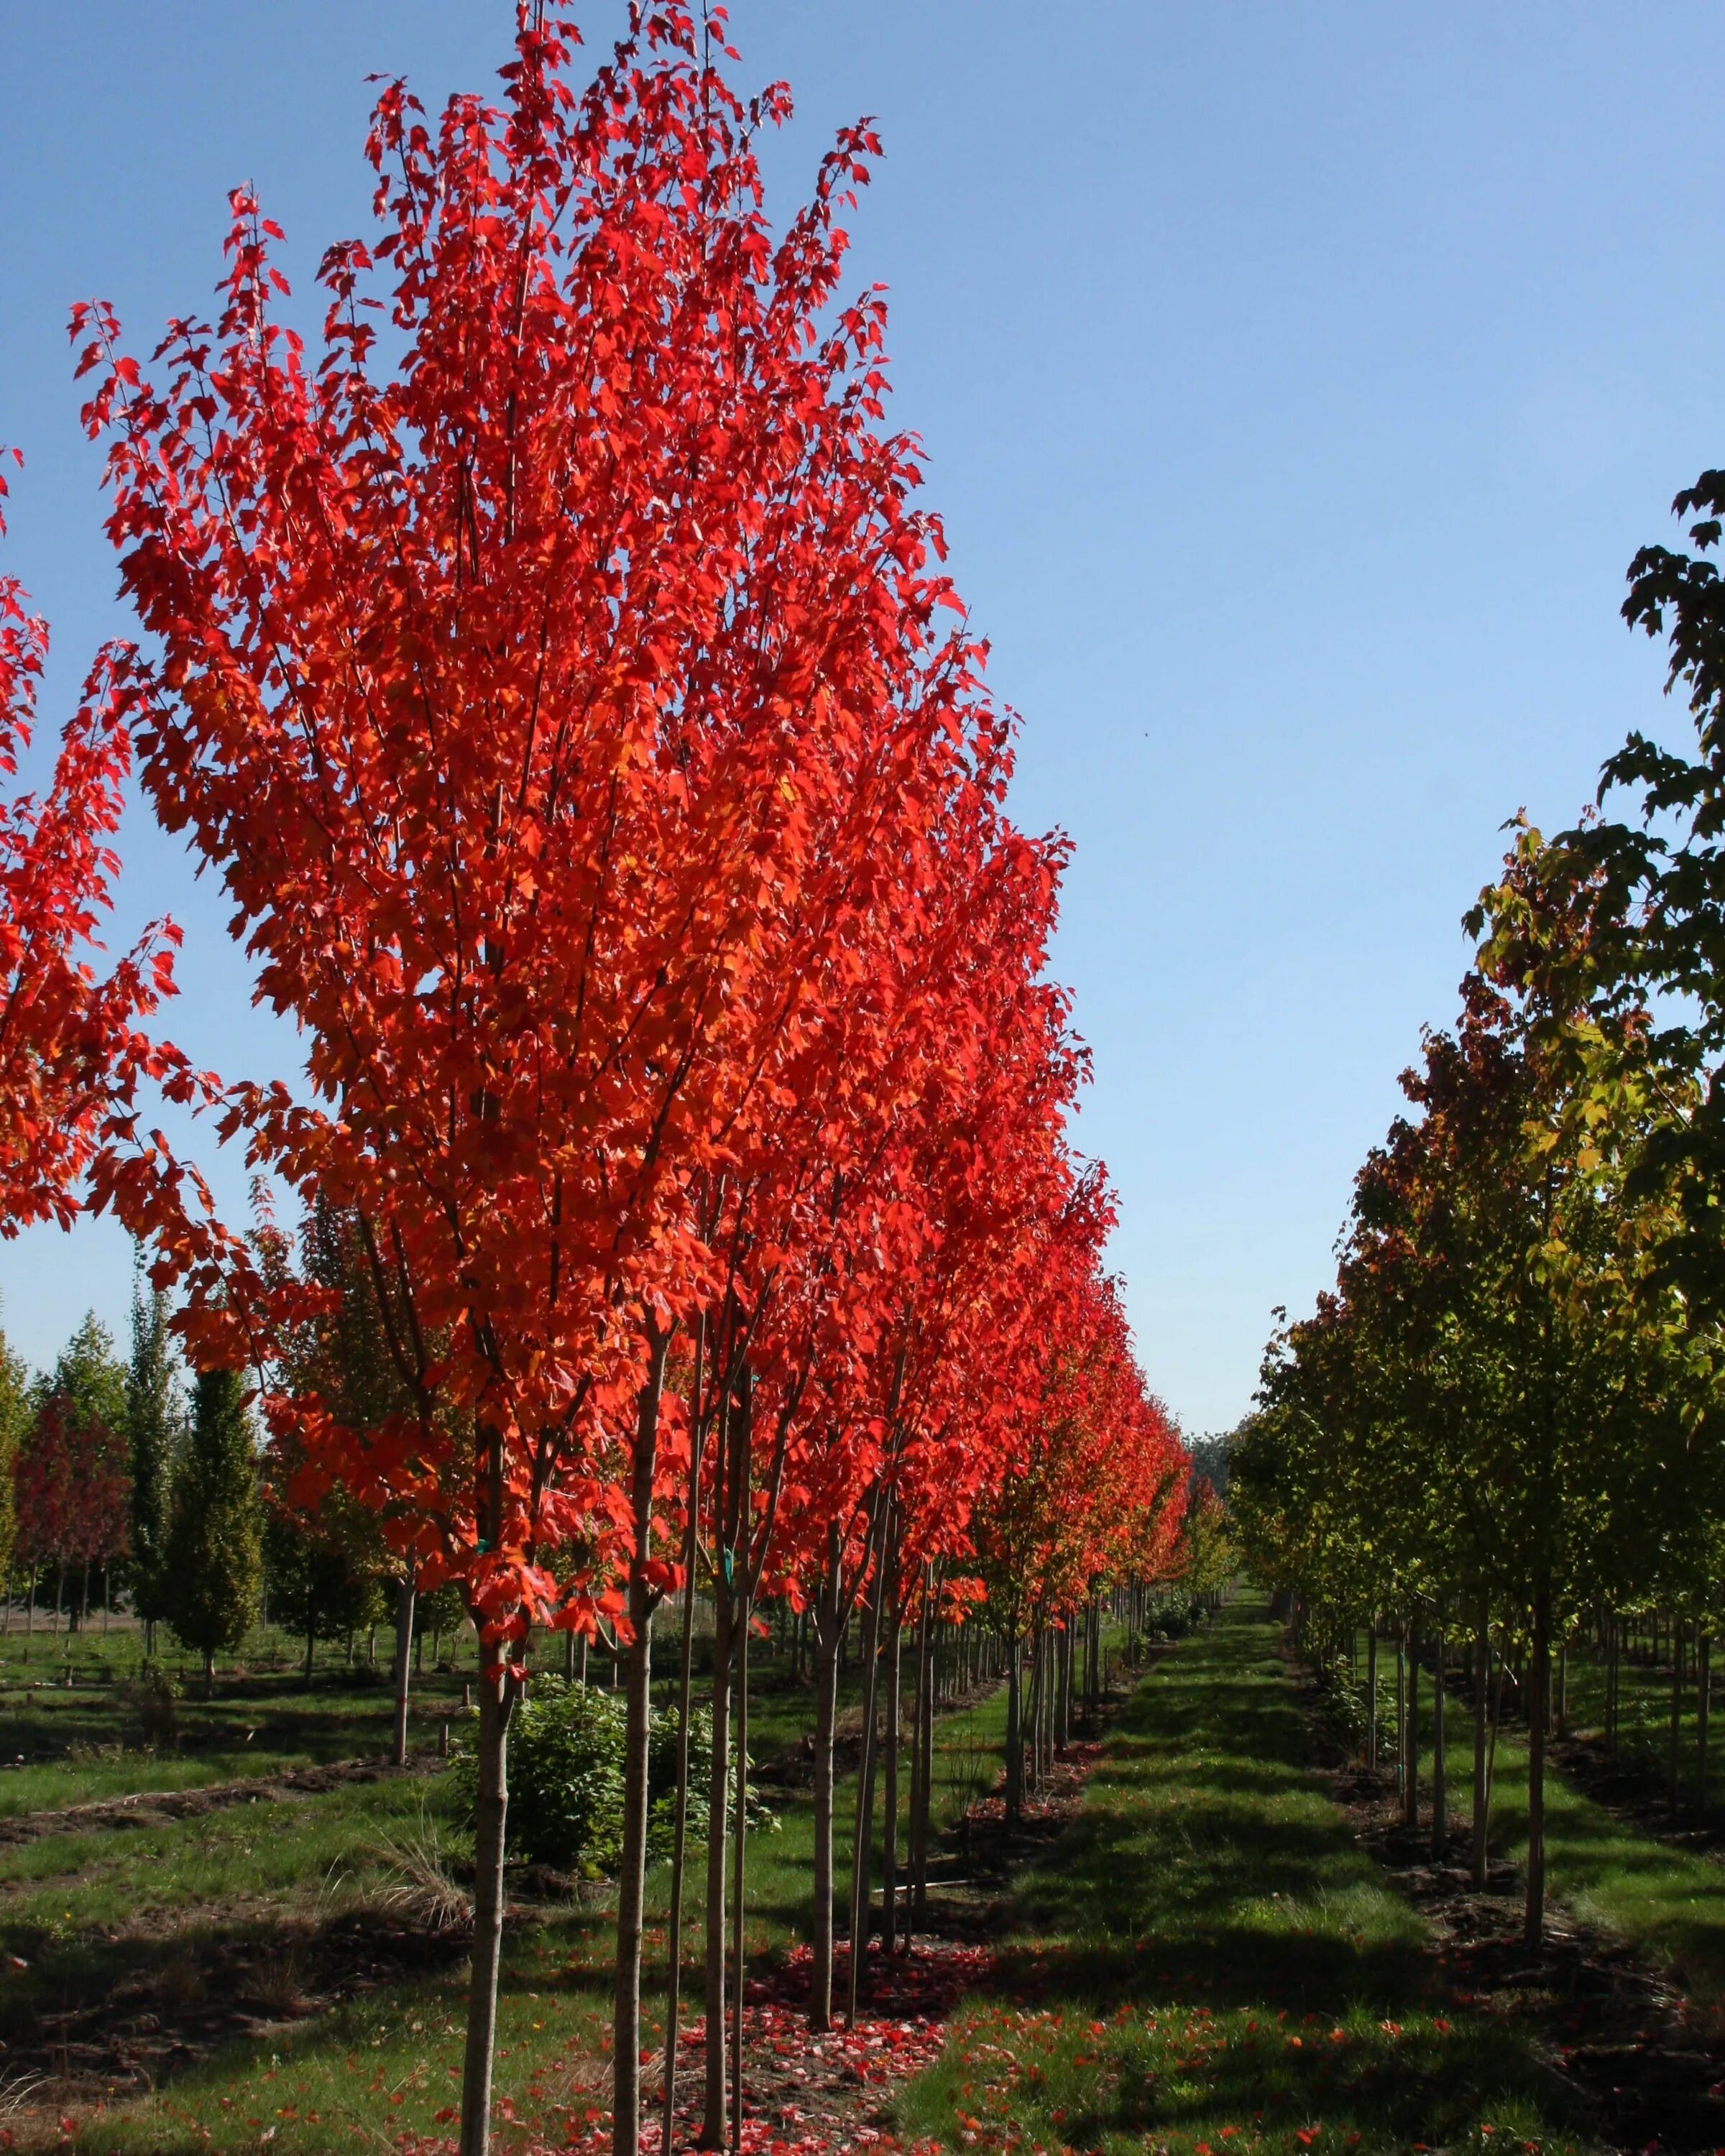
[[1614, 2036], [190, 1992], [156, 1807]]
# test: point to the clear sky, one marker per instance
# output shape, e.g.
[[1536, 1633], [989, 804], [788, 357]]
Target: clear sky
[[1297, 383]]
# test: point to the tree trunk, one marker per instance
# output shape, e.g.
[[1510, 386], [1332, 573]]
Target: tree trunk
[[923, 1762], [1703, 1708], [739, 1884], [862, 1840], [685, 1688], [1372, 1693], [310, 1644], [1613, 1639], [496, 1706], [632, 1869], [404, 1600], [209, 1672], [1439, 1765], [889, 1817], [1481, 1696], [1410, 1782], [718, 1791], [1014, 1736], [1674, 1774], [865, 1792], [826, 1701], [1533, 1928]]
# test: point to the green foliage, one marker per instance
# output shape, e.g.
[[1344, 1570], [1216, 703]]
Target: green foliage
[[215, 1554], [89, 1377], [322, 1574], [565, 1777], [15, 1421], [154, 1422], [565, 1767]]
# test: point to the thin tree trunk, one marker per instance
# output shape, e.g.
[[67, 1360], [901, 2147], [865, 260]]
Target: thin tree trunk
[[889, 1819], [1613, 1644], [826, 1699], [632, 1869], [1703, 1707], [209, 1672], [1372, 1693], [923, 1761], [1674, 1774], [862, 1838], [1439, 1763], [496, 1706], [739, 1893], [404, 1600], [1481, 1804], [713, 2133], [1014, 1736], [1410, 1784], [1534, 1925], [685, 1673], [311, 1645]]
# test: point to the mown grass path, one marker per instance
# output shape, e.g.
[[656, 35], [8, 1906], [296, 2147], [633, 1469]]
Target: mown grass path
[[1207, 1962]]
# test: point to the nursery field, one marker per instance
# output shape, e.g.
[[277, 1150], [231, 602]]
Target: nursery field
[[246, 1935], [1189, 1945]]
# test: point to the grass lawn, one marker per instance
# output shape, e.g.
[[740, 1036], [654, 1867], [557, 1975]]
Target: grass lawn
[[256, 1904], [1209, 1963], [1666, 1900], [62, 1744]]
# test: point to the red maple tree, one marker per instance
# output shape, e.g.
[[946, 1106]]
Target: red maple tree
[[71, 1052]]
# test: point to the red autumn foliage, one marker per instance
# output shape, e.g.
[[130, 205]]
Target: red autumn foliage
[[71, 1053], [74, 1494]]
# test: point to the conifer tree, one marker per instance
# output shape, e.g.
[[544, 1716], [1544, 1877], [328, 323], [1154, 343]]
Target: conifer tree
[[214, 1553], [154, 1416], [14, 1416]]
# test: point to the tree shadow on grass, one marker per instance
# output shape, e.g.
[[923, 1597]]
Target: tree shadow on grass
[[1205, 1942]]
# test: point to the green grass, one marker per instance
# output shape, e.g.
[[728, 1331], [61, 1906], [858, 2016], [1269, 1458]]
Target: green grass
[[61, 1746], [1666, 1900], [1209, 1962], [86, 1910]]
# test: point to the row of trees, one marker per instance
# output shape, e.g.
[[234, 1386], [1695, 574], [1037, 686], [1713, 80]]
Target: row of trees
[[110, 1472], [1502, 1428], [567, 696]]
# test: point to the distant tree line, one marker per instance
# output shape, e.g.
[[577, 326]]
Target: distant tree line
[[122, 1485]]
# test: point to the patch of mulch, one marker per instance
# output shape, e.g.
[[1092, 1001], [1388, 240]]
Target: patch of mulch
[[1619, 2042], [805, 2094], [156, 1807]]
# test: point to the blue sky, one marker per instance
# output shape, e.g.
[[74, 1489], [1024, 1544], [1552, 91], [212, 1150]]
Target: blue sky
[[1297, 382]]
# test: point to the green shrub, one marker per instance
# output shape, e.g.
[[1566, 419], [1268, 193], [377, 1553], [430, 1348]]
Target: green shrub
[[150, 1692], [566, 1779]]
